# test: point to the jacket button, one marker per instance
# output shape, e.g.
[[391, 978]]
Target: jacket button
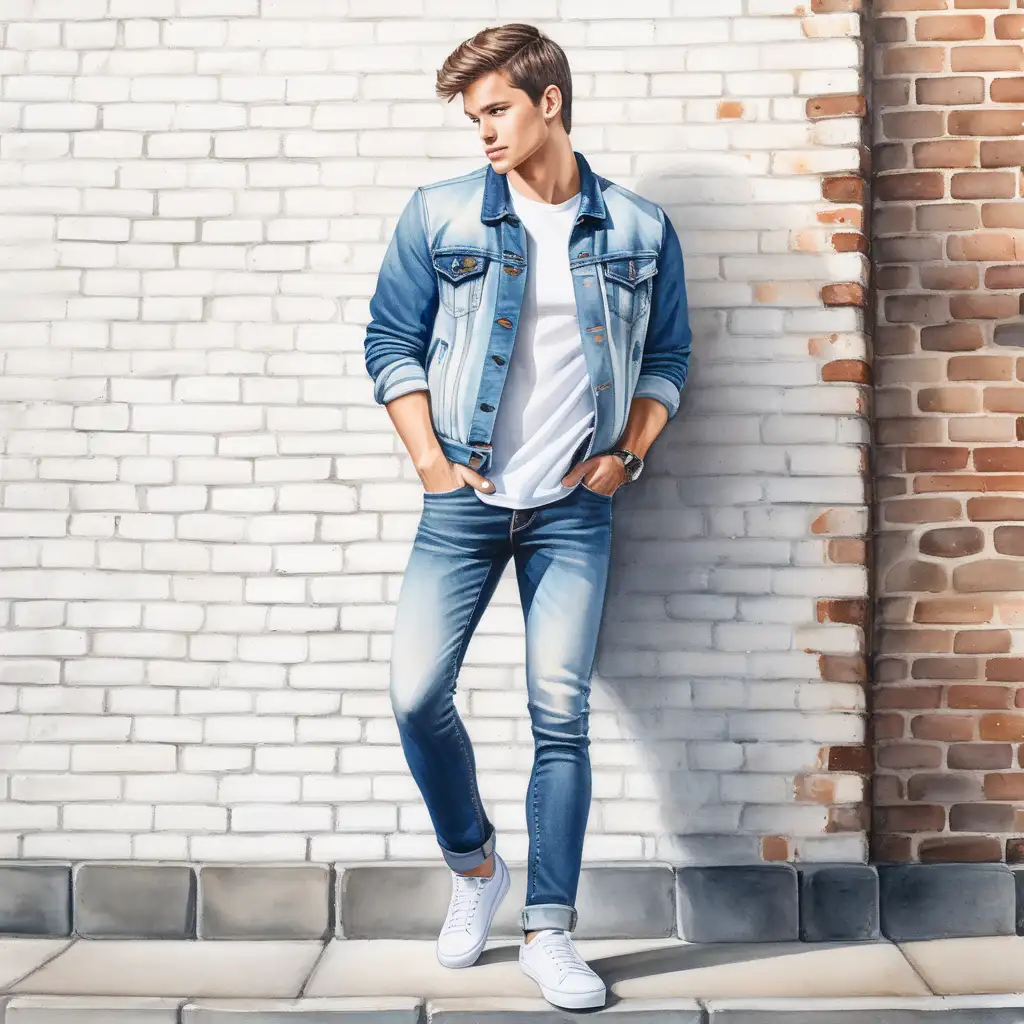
[[486, 408], [498, 360], [504, 321]]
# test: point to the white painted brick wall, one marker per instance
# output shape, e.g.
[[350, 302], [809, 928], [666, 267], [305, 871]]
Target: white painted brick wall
[[204, 517]]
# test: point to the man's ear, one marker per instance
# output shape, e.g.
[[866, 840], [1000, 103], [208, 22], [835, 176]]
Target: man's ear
[[551, 102]]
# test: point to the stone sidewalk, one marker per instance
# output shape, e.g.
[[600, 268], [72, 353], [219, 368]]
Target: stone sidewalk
[[81, 981]]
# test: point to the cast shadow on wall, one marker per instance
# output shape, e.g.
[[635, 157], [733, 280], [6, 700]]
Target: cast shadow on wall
[[678, 553]]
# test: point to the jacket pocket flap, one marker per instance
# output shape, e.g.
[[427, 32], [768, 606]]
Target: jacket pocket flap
[[457, 266], [631, 270]]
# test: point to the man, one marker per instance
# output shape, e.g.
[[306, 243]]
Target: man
[[529, 338]]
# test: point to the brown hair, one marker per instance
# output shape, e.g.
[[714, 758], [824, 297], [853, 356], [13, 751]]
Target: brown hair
[[531, 60]]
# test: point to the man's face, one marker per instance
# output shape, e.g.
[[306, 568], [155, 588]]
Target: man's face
[[510, 127]]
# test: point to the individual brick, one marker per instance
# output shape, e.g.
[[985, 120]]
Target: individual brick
[[1009, 540], [1007, 90], [978, 697], [985, 122], [948, 399], [946, 153], [951, 338], [984, 246], [979, 307], [1002, 153], [944, 277], [1009, 26], [843, 189], [1004, 786], [982, 641], [902, 60], [991, 509], [914, 124], [953, 610], [1001, 727], [943, 787], [836, 105], [891, 30], [1010, 334], [916, 185], [983, 185], [979, 756], [950, 92], [1011, 276], [947, 217], [952, 542], [950, 28], [965, 849], [980, 368], [999, 460], [987, 58]]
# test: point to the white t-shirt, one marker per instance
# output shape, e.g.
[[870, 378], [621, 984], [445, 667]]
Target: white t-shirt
[[547, 406]]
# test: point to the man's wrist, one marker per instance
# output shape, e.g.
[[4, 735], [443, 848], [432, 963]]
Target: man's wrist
[[632, 463], [430, 460]]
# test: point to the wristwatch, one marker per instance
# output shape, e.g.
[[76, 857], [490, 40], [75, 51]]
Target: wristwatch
[[633, 463]]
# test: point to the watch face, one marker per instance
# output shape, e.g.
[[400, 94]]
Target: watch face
[[633, 463]]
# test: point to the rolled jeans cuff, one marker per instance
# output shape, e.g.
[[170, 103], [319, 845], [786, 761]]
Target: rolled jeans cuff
[[472, 859], [536, 916]]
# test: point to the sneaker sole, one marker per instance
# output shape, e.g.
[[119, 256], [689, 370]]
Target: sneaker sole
[[469, 958], [567, 1000]]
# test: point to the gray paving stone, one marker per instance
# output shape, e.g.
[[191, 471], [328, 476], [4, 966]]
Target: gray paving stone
[[128, 901], [393, 1010], [255, 902], [738, 903], [410, 901], [945, 901], [881, 1016], [634, 901], [35, 900], [1018, 883], [838, 902], [174, 968], [91, 1010], [539, 1011]]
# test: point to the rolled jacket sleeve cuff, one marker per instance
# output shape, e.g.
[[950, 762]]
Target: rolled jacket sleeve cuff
[[653, 385], [399, 379]]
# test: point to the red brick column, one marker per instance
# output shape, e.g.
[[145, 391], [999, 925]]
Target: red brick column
[[948, 227]]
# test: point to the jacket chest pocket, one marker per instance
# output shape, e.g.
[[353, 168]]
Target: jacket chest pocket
[[460, 280], [627, 283]]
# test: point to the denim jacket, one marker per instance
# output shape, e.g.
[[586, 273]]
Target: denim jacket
[[451, 285]]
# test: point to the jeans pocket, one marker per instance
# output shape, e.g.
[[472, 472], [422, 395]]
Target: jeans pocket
[[596, 494], [445, 494]]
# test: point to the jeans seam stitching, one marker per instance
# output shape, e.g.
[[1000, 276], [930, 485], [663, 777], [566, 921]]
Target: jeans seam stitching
[[455, 665]]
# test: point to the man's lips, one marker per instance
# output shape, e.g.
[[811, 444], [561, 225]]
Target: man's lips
[[495, 152]]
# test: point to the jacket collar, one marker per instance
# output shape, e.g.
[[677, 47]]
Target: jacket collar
[[498, 203]]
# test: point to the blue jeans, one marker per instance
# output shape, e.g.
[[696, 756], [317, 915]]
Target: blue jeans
[[561, 553]]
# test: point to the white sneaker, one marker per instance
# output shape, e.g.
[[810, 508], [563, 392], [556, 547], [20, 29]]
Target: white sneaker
[[475, 901], [564, 977]]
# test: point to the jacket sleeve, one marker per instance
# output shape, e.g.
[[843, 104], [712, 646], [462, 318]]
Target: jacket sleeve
[[402, 309], [667, 345]]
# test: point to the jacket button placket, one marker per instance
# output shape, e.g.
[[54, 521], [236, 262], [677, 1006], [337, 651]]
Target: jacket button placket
[[508, 304]]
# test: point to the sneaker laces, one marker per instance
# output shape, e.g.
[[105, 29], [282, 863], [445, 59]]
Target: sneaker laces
[[465, 900], [563, 953]]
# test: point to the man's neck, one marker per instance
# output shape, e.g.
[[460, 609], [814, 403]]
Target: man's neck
[[550, 175]]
